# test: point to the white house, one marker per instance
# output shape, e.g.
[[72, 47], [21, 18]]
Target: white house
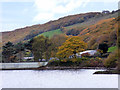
[[28, 58], [88, 52]]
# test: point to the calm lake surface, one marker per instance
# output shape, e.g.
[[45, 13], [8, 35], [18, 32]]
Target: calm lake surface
[[82, 78]]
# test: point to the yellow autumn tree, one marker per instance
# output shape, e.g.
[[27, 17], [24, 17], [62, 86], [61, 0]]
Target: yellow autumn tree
[[71, 46]]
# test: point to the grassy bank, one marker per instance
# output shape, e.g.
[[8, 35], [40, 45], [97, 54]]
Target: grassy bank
[[52, 33], [112, 49]]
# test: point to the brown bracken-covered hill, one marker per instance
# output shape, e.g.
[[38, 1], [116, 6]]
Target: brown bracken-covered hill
[[19, 34], [93, 27]]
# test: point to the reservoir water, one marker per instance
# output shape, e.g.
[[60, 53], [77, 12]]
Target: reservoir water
[[82, 78]]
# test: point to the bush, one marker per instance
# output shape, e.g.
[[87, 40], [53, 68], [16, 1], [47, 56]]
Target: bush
[[111, 61], [67, 62], [63, 62], [81, 62], [94, 62], [53, 63]]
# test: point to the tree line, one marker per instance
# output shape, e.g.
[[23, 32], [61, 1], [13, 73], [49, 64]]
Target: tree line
[[60, 46]]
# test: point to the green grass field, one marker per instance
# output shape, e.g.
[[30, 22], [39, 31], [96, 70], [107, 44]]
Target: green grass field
[[111, 49], [49, 34]]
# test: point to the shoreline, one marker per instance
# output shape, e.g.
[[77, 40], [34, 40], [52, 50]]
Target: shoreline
[[110, 71], [56, 68]]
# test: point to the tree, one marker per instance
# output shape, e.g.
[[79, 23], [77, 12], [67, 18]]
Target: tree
[[41, 48], [71, 46], [57, 41], [8, 52], [103, 47], [118, 44], [20, 47], [28, 45]]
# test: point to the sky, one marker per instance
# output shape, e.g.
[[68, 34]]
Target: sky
[[16, 14]]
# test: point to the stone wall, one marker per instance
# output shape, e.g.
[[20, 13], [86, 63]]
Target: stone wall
[[22, 65]]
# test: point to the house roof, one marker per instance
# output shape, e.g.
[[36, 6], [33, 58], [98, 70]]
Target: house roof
[[91, 52]]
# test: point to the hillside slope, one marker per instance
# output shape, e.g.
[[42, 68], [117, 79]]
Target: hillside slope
[[76, 24], [21, 34]]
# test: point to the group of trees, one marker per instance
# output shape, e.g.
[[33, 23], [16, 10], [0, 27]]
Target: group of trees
[[41, 48], [59, 46], [12, 52], [45, 48], [8, 51]]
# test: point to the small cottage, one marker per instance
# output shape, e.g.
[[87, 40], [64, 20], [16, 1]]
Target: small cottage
[[85, 53]]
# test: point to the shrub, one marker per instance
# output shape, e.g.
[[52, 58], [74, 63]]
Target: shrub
[[81, 62], [53, 62], [93, 62], [111, 61]]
